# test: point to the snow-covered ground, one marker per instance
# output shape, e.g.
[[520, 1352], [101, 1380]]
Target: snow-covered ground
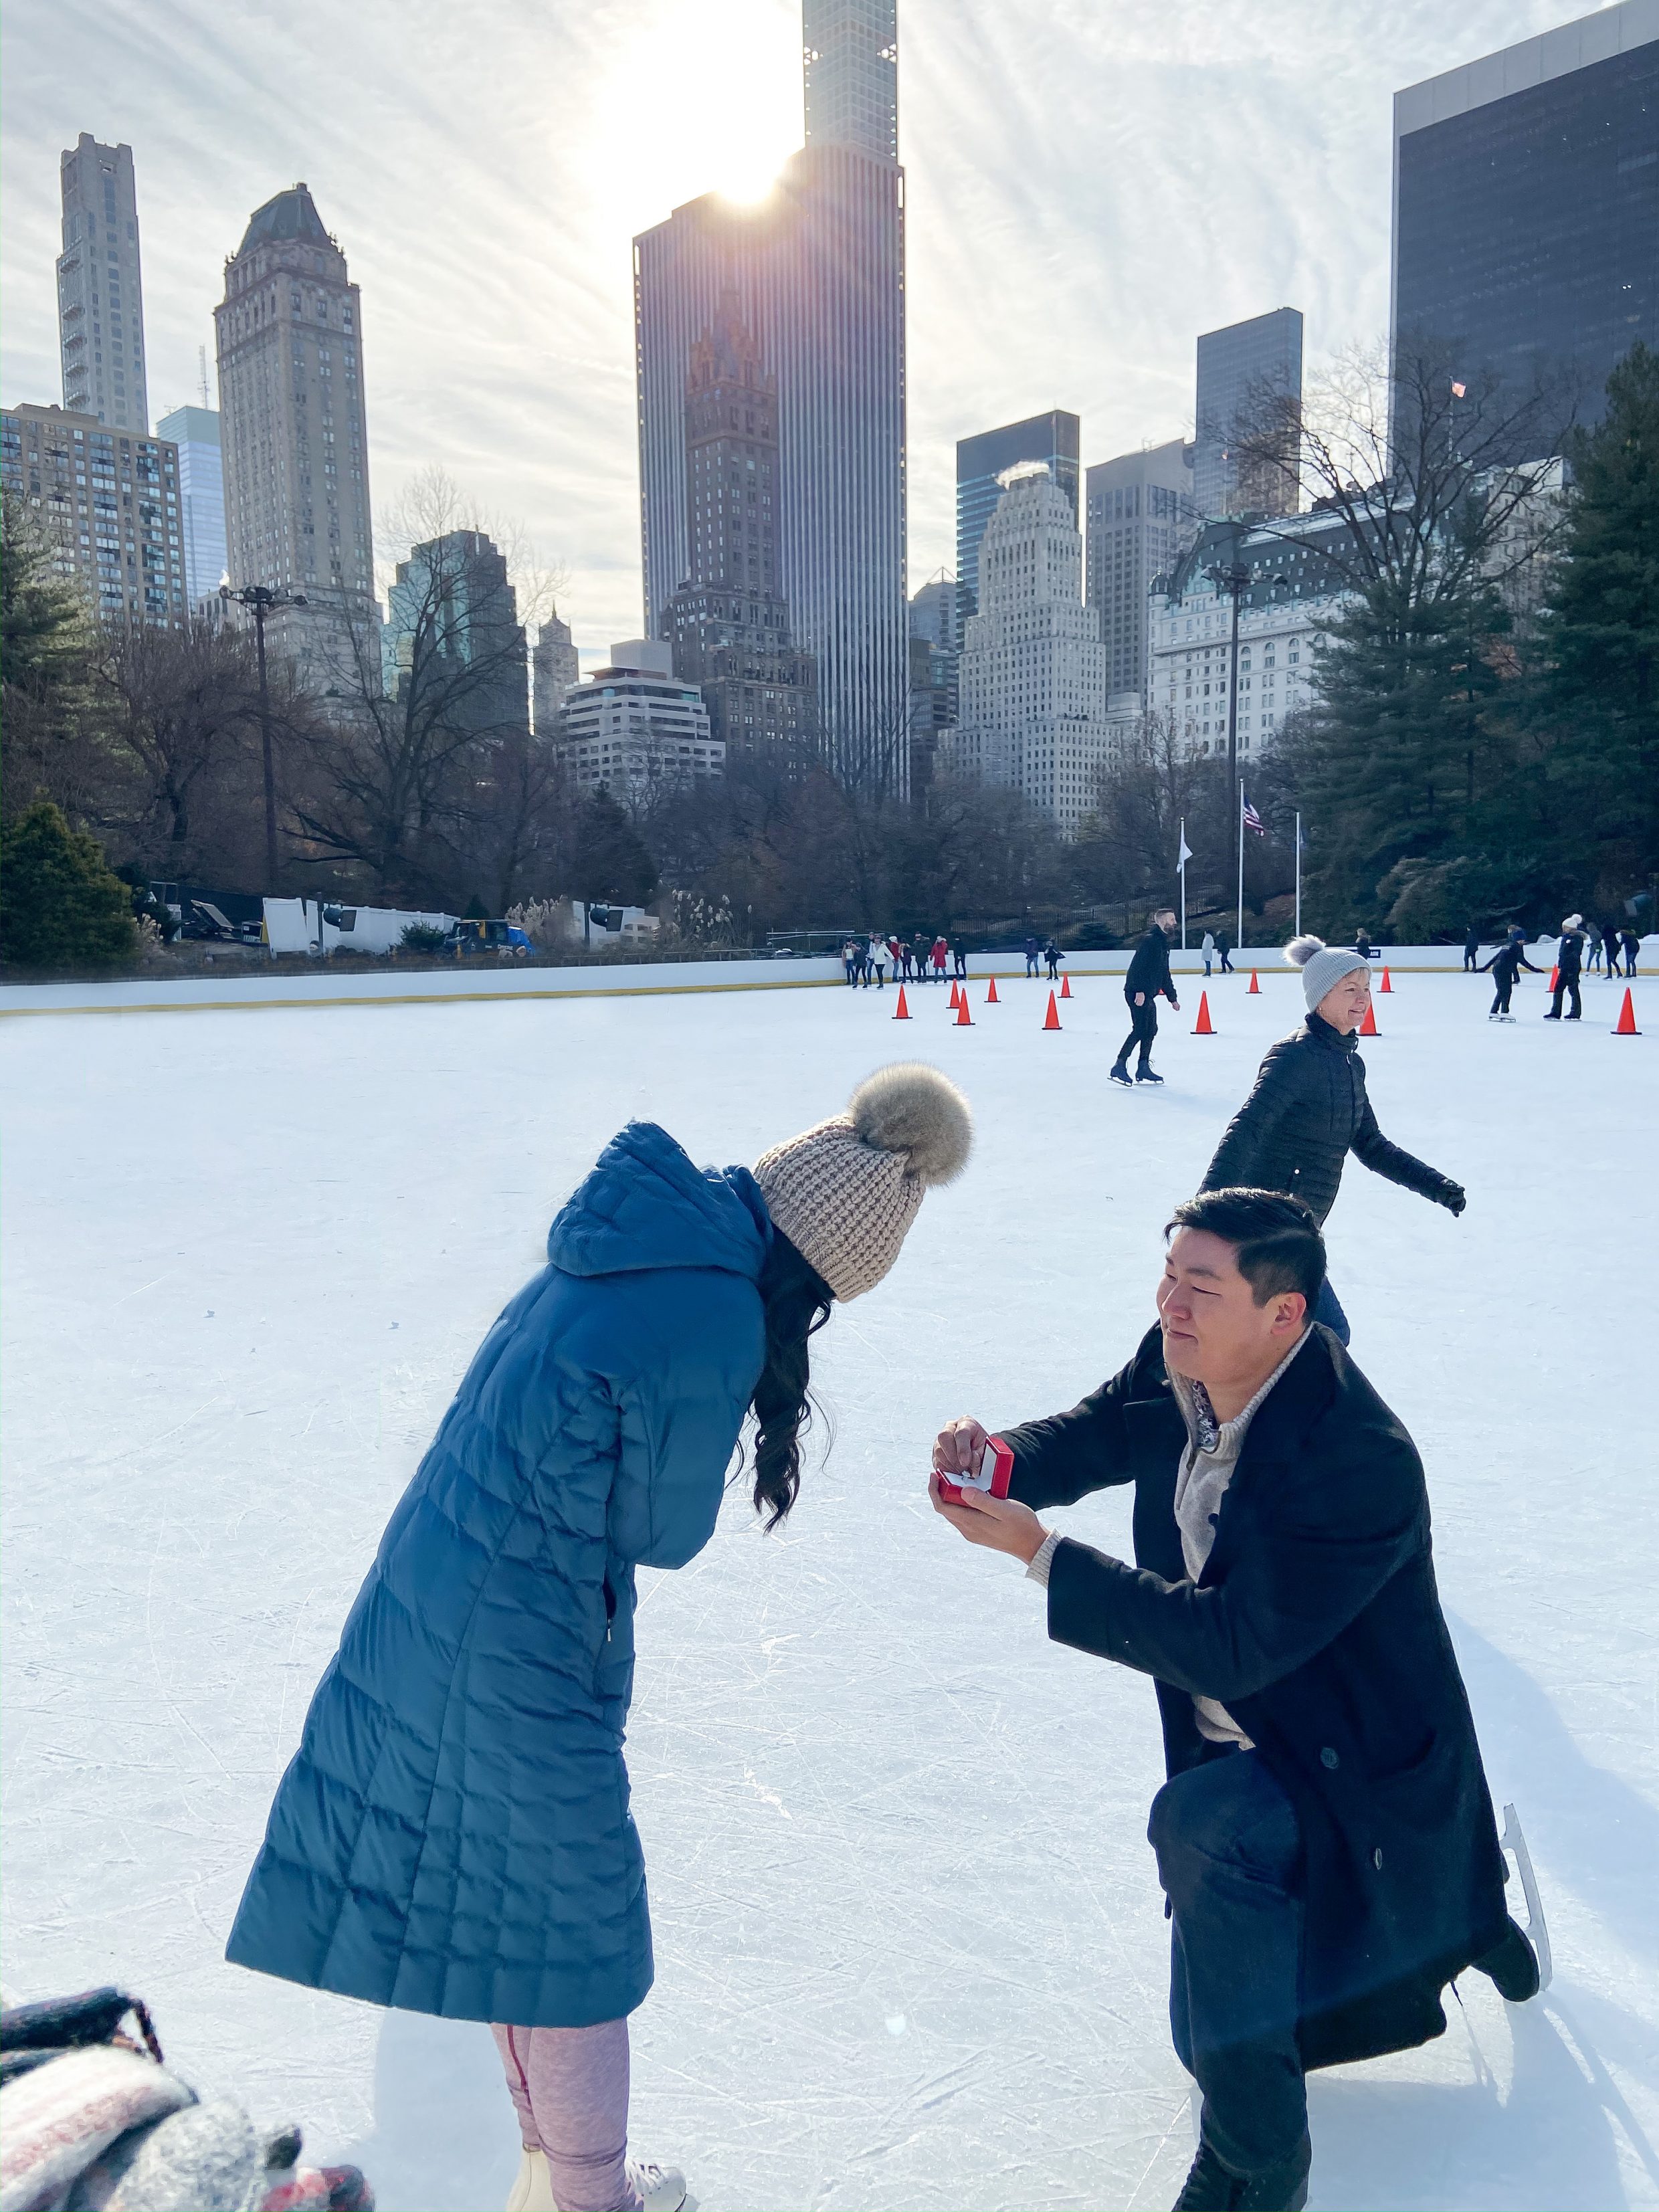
[[910, 1950]]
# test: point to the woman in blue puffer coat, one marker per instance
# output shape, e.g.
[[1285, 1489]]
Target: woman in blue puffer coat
[[453, 1835]]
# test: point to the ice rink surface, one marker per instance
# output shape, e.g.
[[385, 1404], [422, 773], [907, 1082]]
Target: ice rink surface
[[910, 1951]]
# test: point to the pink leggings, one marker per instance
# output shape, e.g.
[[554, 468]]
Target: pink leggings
[[569, 2089]]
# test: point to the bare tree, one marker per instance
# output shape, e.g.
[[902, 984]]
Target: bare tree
[[431, 739], [181, 709], [1444, 482]]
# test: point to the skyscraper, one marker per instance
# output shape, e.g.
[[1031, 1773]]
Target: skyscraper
[[453, 627], [850, 50], [1033, 672], [982, 462], [555, 671], [101, 298], [935, 658], [727, 623], [1139, 519], [195, 431], [815, 275], [294, 438], [1249, 374], [110, 501], [1526, 207]]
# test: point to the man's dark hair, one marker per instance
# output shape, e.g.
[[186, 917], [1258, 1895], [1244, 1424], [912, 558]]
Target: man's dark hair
[[1278, 1244]]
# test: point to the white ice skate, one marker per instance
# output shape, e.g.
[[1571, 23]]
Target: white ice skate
[[659, 2187]]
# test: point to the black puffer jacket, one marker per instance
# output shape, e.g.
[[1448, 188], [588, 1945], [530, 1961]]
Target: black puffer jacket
[[1308, 1111]]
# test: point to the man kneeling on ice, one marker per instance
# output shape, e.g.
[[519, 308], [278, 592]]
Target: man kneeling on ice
[[1325, 1838]]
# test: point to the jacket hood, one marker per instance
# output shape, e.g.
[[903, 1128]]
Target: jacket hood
[[645, 1205]]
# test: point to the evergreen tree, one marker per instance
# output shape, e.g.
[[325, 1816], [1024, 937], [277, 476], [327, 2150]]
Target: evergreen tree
[[1600, 640], [612, 861], [50, 649], [60, 904]]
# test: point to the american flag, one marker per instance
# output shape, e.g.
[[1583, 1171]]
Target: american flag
[[1252, 819]]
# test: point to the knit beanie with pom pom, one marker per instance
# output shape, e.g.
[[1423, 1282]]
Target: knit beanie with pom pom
[[1322, 965], [845, 1192]]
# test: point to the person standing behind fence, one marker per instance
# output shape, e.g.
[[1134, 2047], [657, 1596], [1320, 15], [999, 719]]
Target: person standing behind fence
[[1569, 965]]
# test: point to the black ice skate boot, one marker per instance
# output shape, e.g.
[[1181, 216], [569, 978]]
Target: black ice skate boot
[[1144, 1074], [1512, 1965], [1282, 2187], [1120, 1073], [1209, 2185]]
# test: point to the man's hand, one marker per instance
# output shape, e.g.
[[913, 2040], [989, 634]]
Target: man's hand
[[1454, 1198], [960, 1446], [999, 1524]]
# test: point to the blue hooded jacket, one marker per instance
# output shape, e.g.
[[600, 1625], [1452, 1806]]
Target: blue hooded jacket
[[453, 1835]]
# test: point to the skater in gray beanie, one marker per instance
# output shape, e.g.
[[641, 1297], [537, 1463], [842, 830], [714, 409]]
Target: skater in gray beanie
[[1309, 1109]]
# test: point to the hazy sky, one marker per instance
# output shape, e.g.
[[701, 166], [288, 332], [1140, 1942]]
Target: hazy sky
[[1090, 184]]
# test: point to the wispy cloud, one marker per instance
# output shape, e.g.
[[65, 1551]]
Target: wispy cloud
[[1089, 186]]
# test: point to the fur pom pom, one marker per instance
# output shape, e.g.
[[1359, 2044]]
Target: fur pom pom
[[914, 1109], [1301, 950]]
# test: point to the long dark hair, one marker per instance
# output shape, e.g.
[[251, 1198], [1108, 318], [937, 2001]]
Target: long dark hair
[[797, 1300]]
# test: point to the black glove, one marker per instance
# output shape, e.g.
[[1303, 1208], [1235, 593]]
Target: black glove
[[1452, 1196]]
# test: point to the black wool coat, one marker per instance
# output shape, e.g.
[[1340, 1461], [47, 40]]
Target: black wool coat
[[1308, 1110], [1317, 1623], [1149, 969]]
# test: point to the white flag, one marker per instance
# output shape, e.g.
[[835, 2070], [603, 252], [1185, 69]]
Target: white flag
[[1185, 852]]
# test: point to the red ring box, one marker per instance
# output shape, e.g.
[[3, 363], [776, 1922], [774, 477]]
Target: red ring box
[[992, 1475]]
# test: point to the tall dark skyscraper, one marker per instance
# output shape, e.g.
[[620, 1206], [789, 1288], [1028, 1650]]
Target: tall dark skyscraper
[[1241, 368], [728, 626], [1053, 438], [815, 275], [1526, 206]]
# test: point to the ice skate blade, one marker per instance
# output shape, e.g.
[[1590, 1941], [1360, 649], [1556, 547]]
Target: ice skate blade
[[1536, 1932]]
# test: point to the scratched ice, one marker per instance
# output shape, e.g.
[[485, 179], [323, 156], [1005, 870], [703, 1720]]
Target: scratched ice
[[910, 1953]]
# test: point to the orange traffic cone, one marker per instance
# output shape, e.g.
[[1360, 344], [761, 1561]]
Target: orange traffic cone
[[1368, 1027], [1203, 1026], [1065, 986], [901, 1011], [991, 998], [1555, 977], [964, 1019], [956, 997], [1051, 1019], [1254, 990], [1385, 985], [1626, 1026]]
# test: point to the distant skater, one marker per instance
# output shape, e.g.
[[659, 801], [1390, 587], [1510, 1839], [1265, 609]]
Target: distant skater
[[1472, 952], [1209, 949], [1510, 956], [960, 955], [1593, 937], [940, 955], [1309, 1109], [1362, 945], [1147, 981], [878, 961], [1569, 966], [1223, 945], [1051, 954], [1032, 952], [1632, 945]]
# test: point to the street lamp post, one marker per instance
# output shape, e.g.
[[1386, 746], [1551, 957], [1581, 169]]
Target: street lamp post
[[262, 599], [1233, 580]]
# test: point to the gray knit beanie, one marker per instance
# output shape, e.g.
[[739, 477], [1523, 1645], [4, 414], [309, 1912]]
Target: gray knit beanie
[[845, 1192], [1322, 965]]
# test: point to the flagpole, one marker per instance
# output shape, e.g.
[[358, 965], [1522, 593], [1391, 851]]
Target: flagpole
[[1298, 874], [1184, 883], [1241, 864]]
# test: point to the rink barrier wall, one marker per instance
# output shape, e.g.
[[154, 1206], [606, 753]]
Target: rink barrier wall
[[203, 994]]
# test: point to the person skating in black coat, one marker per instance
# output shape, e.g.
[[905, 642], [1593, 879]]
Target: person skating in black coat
[[1309, 1109], [1632, 945], [1148, 980], [1569, 965], [1471, 948], [1509, 958], [1325, 1838]]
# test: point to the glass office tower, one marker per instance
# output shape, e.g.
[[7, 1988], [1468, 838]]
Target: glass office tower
[[983, 461], [1526, 207], [1242, 370]]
